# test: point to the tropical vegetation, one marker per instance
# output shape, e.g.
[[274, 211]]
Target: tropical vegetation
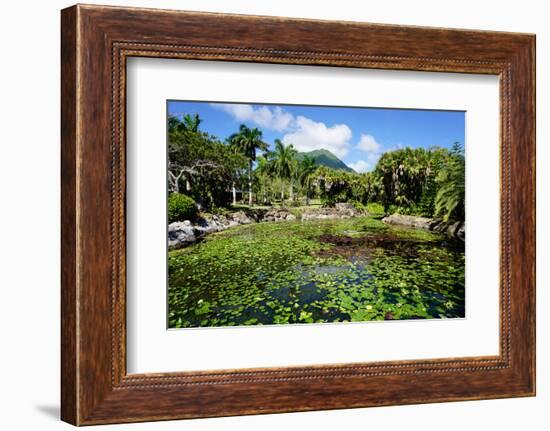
[[310, 271], [243, 170]]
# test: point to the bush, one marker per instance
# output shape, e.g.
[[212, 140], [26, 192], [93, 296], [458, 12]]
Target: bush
[[181, 207], [375, 208], [411, 210]]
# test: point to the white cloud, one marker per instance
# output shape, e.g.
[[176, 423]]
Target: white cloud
[[366, 165], [368, 144], [311, 135], [360, 166], [372, 148], [274, 118], [302, 132]]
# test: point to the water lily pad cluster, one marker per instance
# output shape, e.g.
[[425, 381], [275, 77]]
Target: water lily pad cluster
[[319, 271]]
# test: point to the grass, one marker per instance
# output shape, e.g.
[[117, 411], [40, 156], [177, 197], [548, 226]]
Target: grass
[[320, 271]]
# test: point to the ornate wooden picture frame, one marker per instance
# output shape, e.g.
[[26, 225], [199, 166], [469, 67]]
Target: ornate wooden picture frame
[[96, 41]]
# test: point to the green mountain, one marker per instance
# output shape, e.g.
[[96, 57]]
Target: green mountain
[[326, 158]]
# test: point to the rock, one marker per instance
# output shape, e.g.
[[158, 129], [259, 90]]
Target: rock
[[454, 230], [205, 226], [278, 215], [344, 206], [457, 231], [409, 221], [461, 232], [240, 218], [340, 211], [180, 235]]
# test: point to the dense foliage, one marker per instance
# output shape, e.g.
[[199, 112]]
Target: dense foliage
[[411, 179], [340, 186], [181, 207], [449, 201], [428, 182], [201, 166]]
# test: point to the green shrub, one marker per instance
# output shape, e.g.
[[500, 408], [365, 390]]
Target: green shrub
[[412, 210], [181, 207], [374, 208], [358, 206]]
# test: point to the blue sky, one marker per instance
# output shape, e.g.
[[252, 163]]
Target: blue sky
[[358, 136]]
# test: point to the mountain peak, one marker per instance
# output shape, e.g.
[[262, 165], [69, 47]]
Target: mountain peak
[[324, 157]]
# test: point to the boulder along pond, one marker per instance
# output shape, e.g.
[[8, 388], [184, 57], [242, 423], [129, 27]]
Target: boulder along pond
[[316, 271]]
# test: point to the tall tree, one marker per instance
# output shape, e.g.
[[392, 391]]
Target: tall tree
[[305, 175], [284, 163], [263, 174], [248, 141]]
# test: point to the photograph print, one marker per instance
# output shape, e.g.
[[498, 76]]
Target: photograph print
[[296, 214]]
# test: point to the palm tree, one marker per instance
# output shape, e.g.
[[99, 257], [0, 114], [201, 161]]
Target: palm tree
[[449, 201], [248, 141], [188, 123], [263, 171], [236, 173], [305, 174], [284, 162], [191, 123]]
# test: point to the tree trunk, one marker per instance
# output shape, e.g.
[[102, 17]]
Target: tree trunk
[[250, 182], [174, 182], [291, 192], [187, 185], [307, 197], [283, 194], [234, 190]]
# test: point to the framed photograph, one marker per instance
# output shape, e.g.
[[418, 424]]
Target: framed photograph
[[264, 215]]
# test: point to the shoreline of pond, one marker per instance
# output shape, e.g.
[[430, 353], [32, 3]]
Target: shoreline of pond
[[186, 233]]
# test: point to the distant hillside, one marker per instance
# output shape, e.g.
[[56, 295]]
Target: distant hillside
[[326, 158]]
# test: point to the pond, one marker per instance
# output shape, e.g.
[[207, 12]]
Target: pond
[[318, 271]]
